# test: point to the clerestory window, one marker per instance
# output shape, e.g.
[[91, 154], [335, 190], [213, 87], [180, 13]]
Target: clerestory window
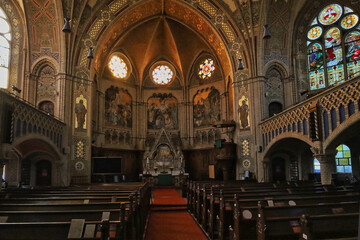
[[333, 46]]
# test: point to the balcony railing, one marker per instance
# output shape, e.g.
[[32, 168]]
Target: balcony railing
[[24, 118], [335, 105]]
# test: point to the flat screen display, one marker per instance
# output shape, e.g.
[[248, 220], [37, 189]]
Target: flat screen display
[[106, 165]]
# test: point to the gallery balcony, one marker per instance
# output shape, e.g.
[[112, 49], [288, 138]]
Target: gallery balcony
[[317, 118], [21, 118]]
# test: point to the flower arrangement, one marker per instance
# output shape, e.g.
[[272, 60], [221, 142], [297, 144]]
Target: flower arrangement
[[155, 168], [171, 167]]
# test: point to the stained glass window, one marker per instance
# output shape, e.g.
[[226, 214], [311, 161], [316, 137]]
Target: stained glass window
[[330, 14], [352, 50], [316, 166], [162, 75], [349, 21], [314, 22], [333, 41], [343, 159], [206, 68], [5, 37], [314, 33], [347, 10], [118, 67]]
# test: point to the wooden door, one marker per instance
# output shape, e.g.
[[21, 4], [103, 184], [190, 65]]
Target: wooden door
[[43, 173]]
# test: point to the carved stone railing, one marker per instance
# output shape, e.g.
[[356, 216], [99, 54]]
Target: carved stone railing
[[206, 136], [23, 118], [335, 105], [118, 136]]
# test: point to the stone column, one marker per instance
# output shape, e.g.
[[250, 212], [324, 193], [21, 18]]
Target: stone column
[[327, 167]]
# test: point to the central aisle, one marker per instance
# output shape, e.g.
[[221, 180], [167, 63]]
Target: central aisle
[[169, 218]]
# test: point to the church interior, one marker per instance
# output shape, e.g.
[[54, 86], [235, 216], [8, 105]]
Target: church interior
[[117, 116]]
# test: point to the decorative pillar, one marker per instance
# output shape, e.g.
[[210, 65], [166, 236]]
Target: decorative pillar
[[327, 167]]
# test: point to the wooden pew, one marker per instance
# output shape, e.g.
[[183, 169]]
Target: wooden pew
[[132, 213], [81, 229], [219, 215], [282, 222]]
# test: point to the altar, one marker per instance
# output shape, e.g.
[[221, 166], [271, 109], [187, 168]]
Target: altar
[[165, 179], [163, 163]]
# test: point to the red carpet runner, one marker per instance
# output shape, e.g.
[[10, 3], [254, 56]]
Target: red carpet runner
[[171, 224]]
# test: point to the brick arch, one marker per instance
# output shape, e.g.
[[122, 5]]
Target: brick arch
[[31, 143], [298, 136], [43, 62], [278, 66], [346, 130]]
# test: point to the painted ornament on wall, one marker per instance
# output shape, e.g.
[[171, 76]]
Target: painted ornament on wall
[[162, 112], [118, 107], [243, 113], [80, 113], [206, 107]]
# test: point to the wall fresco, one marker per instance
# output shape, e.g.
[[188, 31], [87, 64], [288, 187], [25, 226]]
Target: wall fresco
[[118, 107], [162, 112], [206, 107]]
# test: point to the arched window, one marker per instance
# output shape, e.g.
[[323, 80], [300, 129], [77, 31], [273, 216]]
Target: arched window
[[47, 106], [343, 159], [5, 38], [333, 46], [316, 166], [274, 108]]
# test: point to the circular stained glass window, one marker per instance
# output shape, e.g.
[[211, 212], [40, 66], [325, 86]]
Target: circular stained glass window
[[314, 33], [330, 14], [349, 21], [206, 68], [118, 67], [162, 75]]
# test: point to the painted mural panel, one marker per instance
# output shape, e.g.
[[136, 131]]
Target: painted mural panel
[[206, 107], [43, 28], [243, 112], [80, 113], [118, 107], [46, 83], [162, 112]]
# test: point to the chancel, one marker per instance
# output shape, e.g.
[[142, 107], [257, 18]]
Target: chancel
[[179, 119]]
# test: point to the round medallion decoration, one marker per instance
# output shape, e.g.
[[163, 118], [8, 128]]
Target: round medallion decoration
[[118, 67], [246, 163], [206, 68], [79, 166], [349, 21], [330, 14], [314, 33], [162, 75]]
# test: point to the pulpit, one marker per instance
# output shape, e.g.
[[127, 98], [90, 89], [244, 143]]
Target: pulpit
[[226, 158]]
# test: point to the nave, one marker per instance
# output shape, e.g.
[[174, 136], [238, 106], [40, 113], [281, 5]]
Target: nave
[[206, 210]]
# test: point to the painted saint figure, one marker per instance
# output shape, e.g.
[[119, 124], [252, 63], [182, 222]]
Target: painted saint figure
[[80, 111], [243, 112]]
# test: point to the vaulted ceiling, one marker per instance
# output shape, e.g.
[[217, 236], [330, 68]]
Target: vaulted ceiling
[[162, 38]]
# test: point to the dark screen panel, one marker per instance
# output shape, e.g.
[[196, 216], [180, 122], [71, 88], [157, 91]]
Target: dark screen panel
[[107, 165]]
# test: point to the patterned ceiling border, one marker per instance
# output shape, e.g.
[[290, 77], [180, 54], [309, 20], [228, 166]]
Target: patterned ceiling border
[[211, 14]]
